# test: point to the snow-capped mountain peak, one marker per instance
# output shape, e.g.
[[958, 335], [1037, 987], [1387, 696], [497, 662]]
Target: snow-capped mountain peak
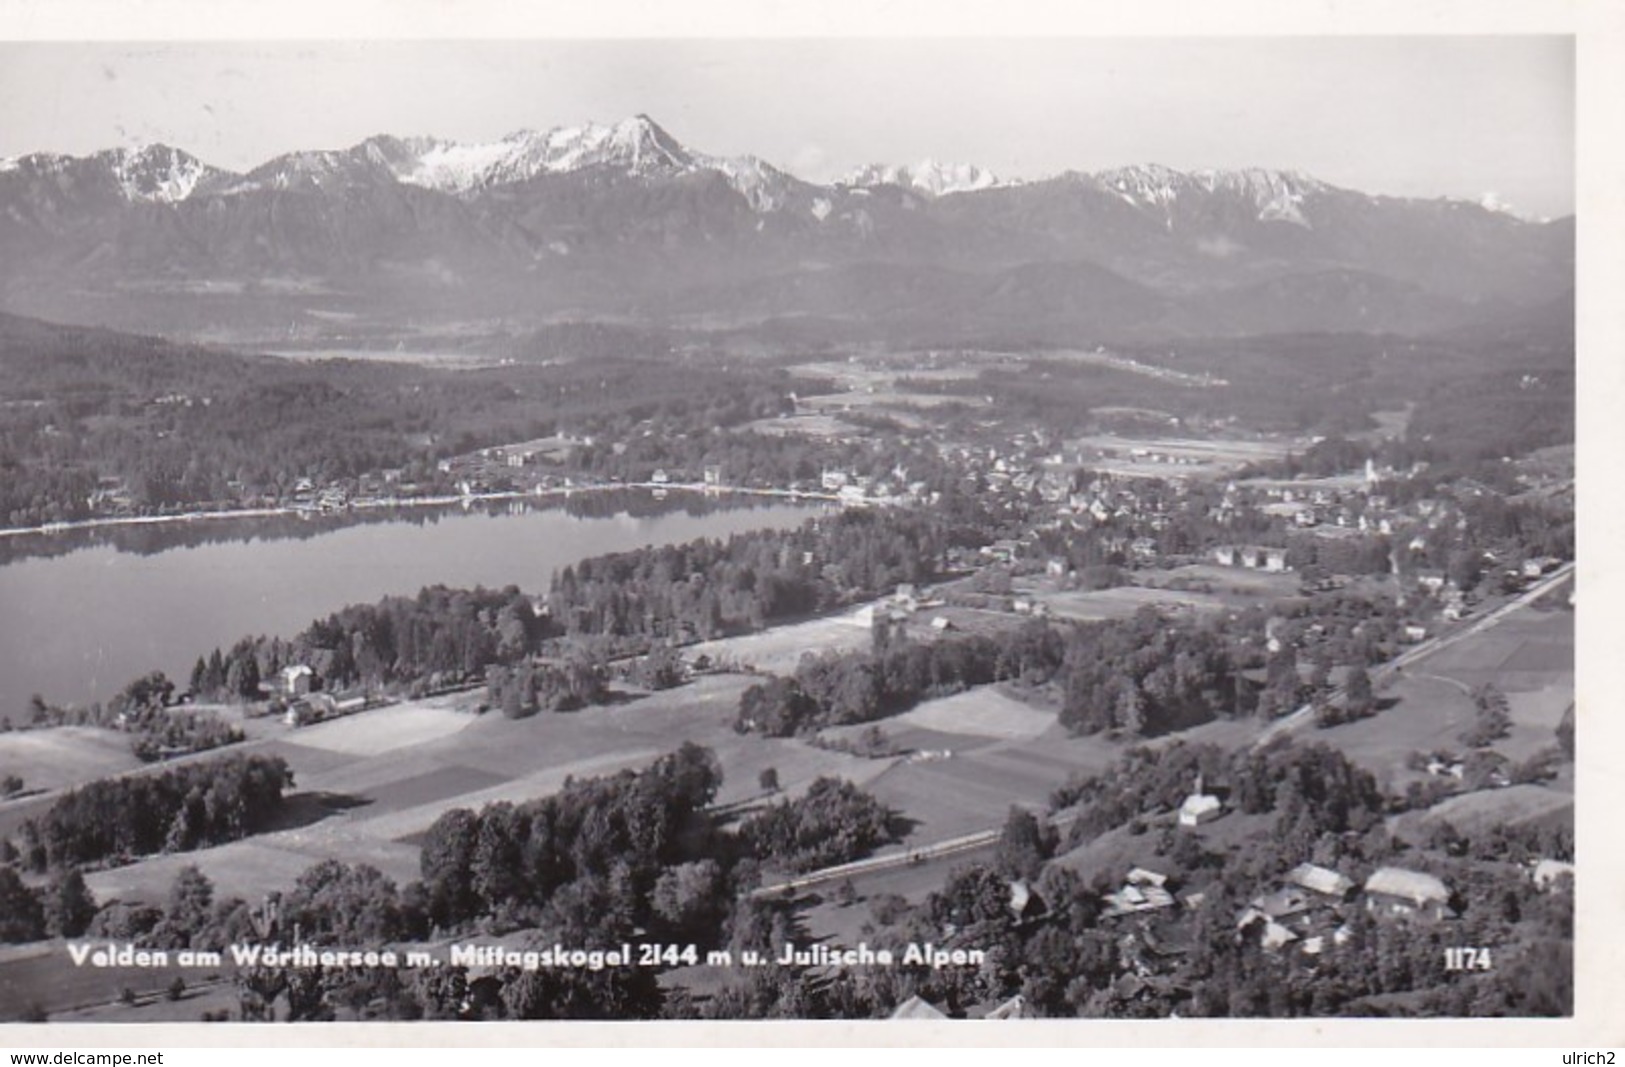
[[927, 176], [1277, 195], [764, 186], [154, 173], [636, 145]]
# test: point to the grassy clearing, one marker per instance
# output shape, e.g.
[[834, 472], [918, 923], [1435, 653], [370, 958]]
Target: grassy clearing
[[384, 730], [1472, 813], [1122, 602], [1237, 582], [981, 712], [48, 975], [1529, 657], [777, 651], [60, 756], [1430, 715]]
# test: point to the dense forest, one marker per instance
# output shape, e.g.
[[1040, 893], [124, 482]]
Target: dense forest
[[707, 589], [183, 425], [185, 807]]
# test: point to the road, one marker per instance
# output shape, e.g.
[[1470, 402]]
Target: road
[[1295, 721], [1431, 647]]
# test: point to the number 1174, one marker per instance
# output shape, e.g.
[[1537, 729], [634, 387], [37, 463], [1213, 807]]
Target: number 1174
[[1466, 958]]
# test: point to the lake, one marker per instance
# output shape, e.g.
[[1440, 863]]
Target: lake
[[77, 625]]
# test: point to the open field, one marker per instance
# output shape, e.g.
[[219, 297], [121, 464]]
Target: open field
[[777, 651], [46, 974], [1238, 584], [1529, 656], [1174, 456], [1341, 483], [1430, 715], [829, 921], [64, 755], [1474, 812], [974, 787], [817, 425], [1214, 450], [367, 792], [409, 725], [1118, 603], [983, 712], [153, 1006]]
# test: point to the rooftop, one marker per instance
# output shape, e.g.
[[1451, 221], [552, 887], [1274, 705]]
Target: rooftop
[[1409, 885]]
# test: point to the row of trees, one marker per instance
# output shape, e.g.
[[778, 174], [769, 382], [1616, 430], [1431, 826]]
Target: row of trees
[[190, 806]]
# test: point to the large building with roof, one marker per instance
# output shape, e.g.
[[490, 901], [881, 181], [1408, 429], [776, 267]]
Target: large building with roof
[[1398, 892]]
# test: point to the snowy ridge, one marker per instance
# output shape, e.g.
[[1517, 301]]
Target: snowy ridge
[[156, 173], [927, 176], [1278, 196], [636, 146]]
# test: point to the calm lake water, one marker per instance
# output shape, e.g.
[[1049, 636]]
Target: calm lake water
[[77, 626]]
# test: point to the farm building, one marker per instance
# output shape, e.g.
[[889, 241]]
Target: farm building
[[1534, 568], [1025, 905], [1322, 880], [1548, 874], [1282, 903], [1142, 891], [1252, 557], [1200, 808], [297, 679], [1275, 936], [1395, 891], [311, 708]]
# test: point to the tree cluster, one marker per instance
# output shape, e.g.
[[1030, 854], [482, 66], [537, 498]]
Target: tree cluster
[[833, 822], [709, 588], [595, 850], [183, 808], [572, 682], [1492, 717], [1146, 676]]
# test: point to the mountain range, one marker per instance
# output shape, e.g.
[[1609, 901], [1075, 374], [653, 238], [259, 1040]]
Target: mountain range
[[623, 222]]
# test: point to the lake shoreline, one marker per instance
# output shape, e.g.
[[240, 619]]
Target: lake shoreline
[[387, 503]]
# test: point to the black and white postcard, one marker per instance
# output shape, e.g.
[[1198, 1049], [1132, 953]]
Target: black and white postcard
[[697, 526]]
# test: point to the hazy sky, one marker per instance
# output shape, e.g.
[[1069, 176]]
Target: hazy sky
[[1419, 116]]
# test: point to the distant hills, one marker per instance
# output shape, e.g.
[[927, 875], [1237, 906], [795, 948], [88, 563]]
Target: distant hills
[[623, 222]]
